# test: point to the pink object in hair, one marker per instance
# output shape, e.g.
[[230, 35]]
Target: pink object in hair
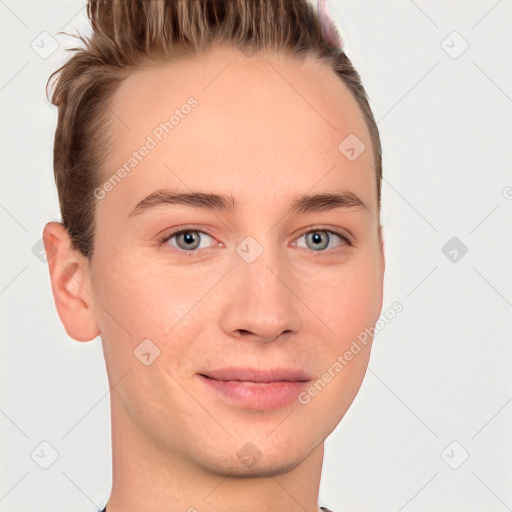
[[330, 32]]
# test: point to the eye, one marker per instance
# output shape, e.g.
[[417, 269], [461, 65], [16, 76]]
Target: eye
[[320, 239], [188, 240], [192, 240]]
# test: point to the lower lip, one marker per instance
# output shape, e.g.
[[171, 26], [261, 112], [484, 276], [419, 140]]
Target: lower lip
[[256, 395]]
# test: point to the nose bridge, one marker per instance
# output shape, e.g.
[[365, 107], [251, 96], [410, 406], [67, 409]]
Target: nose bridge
[[263, 278]]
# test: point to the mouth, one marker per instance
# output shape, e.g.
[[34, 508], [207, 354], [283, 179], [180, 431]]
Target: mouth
[[256, 375], [256, 389]]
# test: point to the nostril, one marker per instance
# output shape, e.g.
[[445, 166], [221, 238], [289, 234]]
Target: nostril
[[245, 334]]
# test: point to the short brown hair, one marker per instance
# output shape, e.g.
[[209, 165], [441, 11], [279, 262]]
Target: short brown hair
[[128, 34]]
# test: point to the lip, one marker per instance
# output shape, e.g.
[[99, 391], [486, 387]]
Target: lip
[[257, 375], [256, 389]]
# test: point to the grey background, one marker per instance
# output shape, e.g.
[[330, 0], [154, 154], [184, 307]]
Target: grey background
[[439, 372]]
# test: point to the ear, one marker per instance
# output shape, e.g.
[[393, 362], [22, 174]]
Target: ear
[[383, 256], [69, 273]]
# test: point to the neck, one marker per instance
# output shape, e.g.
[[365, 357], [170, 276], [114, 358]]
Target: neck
[[147, 476]]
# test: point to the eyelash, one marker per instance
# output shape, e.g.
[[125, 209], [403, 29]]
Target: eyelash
[[344, 239]]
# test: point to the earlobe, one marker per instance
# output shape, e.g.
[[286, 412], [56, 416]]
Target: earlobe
[[69, 281]]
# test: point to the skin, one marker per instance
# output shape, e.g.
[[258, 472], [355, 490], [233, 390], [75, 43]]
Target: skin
[[265, 131]]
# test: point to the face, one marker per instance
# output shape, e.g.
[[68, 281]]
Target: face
[[249, 281]]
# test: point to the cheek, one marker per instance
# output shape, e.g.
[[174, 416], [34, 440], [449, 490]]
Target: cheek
[[139, 300], [145, 297], [127, 313], [349, 303], [347, 299]]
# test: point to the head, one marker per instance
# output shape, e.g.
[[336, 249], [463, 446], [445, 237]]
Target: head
[[235, 121]]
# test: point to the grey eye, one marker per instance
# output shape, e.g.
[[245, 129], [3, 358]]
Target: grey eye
[[190, 240], [319, 240]]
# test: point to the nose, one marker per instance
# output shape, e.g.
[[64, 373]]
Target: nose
[[260, 304]]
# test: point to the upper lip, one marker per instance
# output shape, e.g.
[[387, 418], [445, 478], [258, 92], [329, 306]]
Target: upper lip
[[258, 375]]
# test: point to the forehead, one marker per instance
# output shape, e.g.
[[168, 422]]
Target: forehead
[[269, 125]]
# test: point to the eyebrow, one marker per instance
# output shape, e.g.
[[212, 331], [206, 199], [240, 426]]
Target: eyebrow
[[305, 204]]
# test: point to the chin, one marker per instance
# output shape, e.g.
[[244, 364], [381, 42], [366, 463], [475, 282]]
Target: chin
[[265, 467], [246, 459]]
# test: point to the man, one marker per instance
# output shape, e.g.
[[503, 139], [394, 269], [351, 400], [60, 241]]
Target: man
[[221, 234]]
